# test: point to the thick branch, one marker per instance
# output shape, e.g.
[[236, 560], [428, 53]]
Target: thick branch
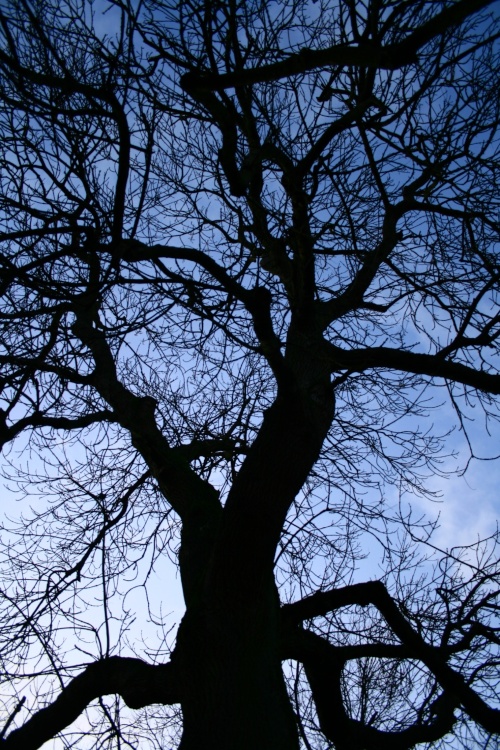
[[182, 486], [134, 251], [323, 665], [193, 498], [431, 365], [138, 683], [391, 57], [322, 602], [374, 592]]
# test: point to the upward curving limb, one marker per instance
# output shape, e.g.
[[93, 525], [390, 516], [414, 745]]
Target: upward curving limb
[[323, 665], [138, 683], [375, 593]]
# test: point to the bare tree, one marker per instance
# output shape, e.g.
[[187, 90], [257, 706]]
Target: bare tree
[[246, 247]]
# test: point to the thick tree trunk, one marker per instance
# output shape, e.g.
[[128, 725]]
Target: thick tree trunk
[[228, 649], [233, 692]]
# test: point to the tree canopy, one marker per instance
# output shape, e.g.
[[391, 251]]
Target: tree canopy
[[246, 248]]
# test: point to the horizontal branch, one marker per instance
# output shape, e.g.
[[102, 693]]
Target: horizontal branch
[[431, 365], [36, 363], [138, 683], [322, 602], [391, 57], [13, 69], [135, 251], [38, 419], [46, 231], [291, 648], [299, 62]]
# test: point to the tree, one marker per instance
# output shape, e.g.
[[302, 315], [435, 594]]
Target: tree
[[246, 248]]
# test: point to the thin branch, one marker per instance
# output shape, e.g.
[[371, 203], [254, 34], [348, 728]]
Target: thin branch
[[12, 716]]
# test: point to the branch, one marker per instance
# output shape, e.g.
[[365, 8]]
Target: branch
[[35, 363], [210, 447], [257, 300], [322, 602], [111, 522], [352, 297], [138, 683], [323, 664], [135, 251], [432, 365], [185, 490], [12, 716], [194, 499], [452, 681], [38, 419], [391, 57], [374, 592]]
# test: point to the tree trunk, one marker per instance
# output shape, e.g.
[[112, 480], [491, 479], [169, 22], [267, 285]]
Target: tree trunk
[[228, 649], [233, 692]]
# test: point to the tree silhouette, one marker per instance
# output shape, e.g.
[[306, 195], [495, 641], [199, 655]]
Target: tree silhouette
[[245, 248]]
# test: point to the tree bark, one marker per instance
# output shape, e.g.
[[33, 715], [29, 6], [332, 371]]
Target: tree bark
[[233, 691]]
